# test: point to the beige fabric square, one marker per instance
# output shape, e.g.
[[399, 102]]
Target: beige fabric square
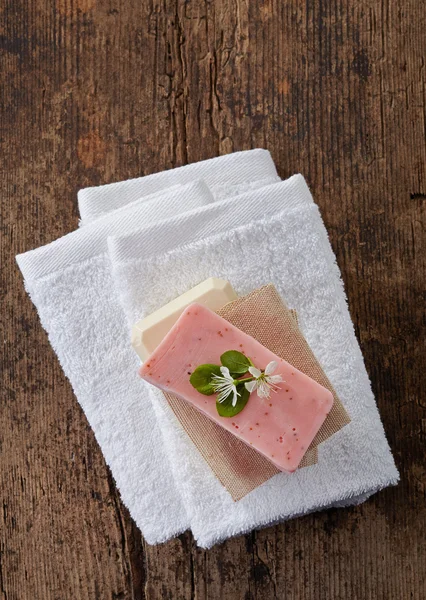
[[263, 315]]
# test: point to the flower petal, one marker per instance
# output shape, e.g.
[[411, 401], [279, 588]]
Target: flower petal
[[263, 390], [225, 372], [271, 367], [255, 372], [251, 385], [274, 379]]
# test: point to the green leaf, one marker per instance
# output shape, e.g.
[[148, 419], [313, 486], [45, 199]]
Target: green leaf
[[202, 376], [236, 362], [225, 408]]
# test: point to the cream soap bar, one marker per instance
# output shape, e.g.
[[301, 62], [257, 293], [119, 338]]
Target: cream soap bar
[[148, 333], [280, 427]]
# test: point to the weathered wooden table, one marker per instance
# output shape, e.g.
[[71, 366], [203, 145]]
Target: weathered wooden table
[[96, 91]]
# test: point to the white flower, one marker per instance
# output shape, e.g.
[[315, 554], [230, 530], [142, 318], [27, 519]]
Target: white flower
[[264, 382], [224, 386]]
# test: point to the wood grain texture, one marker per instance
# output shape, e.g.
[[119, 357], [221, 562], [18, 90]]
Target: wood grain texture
[[96, 91]]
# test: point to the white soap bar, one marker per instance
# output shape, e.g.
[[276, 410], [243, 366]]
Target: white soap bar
[[149, 332]]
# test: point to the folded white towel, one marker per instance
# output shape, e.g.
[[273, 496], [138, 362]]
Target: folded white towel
[[273, 235], [224, 175], [70, 283]]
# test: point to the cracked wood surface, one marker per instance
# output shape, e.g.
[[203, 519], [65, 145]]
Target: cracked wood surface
[[94, 92]]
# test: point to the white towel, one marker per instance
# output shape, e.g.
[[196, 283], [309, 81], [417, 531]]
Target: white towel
[[224, 175], [70, 283], [273, 235]]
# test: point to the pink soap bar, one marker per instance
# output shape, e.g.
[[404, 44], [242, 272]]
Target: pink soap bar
[[280, 427]]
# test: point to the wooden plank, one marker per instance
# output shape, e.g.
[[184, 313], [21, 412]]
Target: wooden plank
[[94, 92]]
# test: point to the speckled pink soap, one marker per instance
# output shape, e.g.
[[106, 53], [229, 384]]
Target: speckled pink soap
[[280, 427]]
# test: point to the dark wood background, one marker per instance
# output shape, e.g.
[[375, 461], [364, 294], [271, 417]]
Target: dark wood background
[[95, 91]]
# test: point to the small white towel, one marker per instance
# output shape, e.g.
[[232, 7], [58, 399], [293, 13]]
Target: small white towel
[[273, 235], [225, 176], [70, 283]]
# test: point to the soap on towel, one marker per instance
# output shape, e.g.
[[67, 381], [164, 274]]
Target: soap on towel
[[281, 427], [148, 332]]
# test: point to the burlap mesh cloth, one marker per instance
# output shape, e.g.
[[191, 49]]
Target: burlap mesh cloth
[[263, 315]]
